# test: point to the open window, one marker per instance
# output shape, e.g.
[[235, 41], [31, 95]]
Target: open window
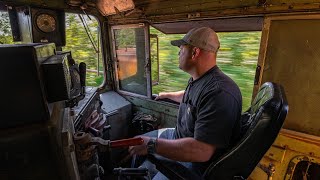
[[237, 57], [5, 29], [83, 40], [131, 55], [146, 63]]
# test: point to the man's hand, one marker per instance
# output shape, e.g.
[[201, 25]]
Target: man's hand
[[161, 95], [175, 96], [141, 149]]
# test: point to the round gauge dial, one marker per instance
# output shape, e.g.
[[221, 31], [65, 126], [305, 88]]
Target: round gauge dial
[[46, 23]]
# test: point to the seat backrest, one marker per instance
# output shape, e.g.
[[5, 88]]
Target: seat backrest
[[262, 123]]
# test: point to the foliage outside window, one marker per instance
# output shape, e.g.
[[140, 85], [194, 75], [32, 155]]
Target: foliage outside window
[[237, 57], [5, 29], [78, 42]]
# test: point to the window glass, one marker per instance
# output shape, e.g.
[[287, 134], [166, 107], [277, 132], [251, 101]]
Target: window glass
[[237, 57], [131, 56], [5, 29], [84, 44]]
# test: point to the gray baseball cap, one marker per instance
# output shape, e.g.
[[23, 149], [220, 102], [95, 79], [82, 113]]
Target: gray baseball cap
[[204, 38]]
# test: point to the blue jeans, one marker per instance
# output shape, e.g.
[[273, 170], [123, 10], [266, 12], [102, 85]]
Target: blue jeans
[[167, 133]]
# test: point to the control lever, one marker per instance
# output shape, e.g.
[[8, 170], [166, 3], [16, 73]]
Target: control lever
[[126, 142], [86, 145]]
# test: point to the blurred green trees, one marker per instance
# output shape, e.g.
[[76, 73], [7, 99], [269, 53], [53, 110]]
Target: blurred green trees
[[5, 30], [78, 42]]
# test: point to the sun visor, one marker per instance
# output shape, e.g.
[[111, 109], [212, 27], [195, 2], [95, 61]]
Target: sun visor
[[219, 25], [110, 7]]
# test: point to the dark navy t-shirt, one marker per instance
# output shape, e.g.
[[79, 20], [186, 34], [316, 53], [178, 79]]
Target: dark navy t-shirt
[[210, 110]]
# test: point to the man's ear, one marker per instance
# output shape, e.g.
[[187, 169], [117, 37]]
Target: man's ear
[[195, 51]]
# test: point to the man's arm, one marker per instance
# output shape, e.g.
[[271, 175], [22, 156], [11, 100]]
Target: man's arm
[[175, 96], [184, 149]]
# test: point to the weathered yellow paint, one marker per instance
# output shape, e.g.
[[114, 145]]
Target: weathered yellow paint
[[294, 63], [276, 153], [293, 145]]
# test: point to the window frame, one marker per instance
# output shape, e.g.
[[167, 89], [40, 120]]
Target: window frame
[[100, 60], [147, 66]]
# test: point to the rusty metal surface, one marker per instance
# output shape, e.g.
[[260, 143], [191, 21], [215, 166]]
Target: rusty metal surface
[[114, 6], [292, 60], [84, 149], [294, 162], [168, 11], [296, 145], [269, 170]]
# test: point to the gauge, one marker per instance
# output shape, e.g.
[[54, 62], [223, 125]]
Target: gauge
[[46, 23]]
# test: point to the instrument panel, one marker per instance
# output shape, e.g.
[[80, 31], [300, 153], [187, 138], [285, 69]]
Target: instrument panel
[[46, 23], [38, 25], [48, 26]]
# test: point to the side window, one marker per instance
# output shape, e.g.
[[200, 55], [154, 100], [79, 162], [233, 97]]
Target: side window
[[132, 59], [237, 57], [83, 40], [5, 29]]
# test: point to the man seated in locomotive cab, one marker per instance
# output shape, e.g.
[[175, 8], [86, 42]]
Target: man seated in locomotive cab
[[210, 107]]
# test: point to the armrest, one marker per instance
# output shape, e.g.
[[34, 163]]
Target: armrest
[[172, 169]]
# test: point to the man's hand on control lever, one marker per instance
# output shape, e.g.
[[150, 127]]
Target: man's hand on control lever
[[162, 95], [174, 96], [140, 149]]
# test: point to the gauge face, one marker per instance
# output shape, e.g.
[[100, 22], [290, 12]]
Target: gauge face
[[46, 23]]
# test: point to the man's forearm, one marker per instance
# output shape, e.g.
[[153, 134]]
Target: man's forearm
[[175, 96], [185, 149]]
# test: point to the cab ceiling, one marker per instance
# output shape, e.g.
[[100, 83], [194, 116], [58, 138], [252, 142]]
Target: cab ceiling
[[156, 11]]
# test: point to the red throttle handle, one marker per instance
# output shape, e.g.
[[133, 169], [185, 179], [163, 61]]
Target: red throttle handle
[[126, 142]]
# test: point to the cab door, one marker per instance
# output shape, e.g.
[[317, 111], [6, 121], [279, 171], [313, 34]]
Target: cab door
[[132, 59]]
